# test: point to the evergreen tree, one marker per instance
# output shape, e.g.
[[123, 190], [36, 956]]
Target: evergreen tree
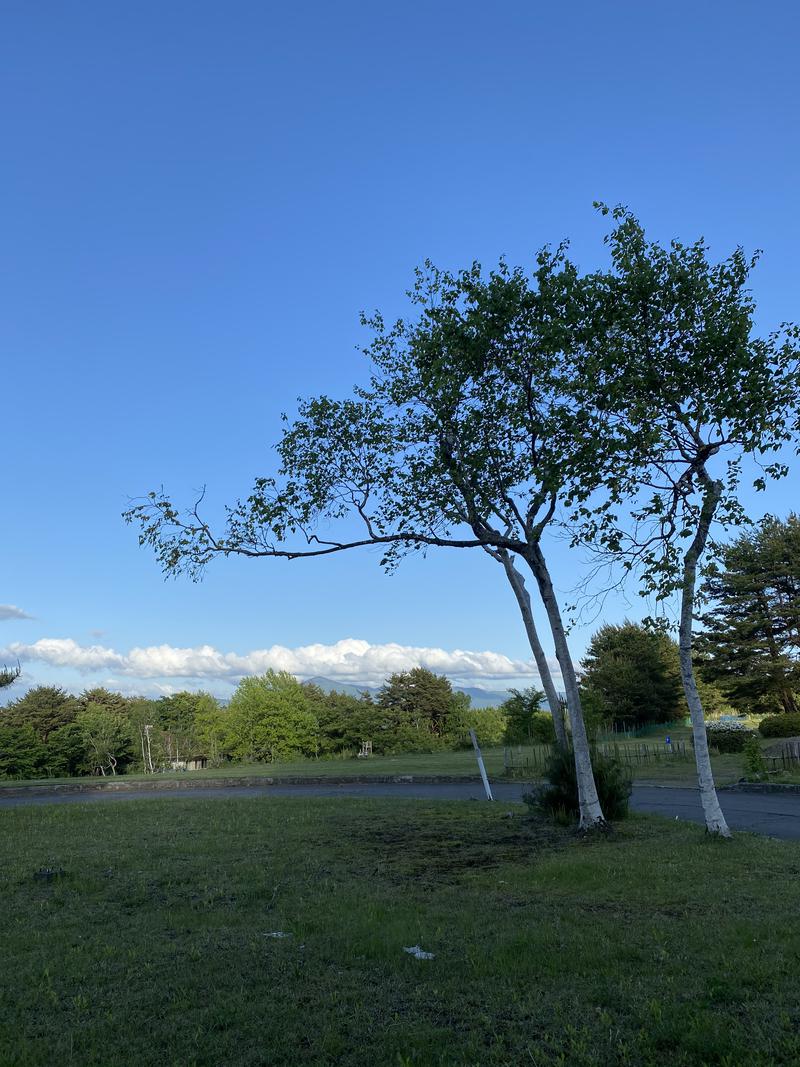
[[8, 675], [45, 708], [751, 643], [633, 674], [418, 704]]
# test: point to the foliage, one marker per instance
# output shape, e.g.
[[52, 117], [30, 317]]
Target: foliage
[[728, 736], [211, 730], [751, 637], [754, 763], [714, 698], [685, 365], [479, 419], [22, 754], [560, 796], [44, 708], [345, 721], [418, 702], [108, 738], [489, 724], [542, 729], [68, 752], [269, 719], [525, 723], [9, 675], [634, 673], [780, 726], [100, 697], [595, 711]]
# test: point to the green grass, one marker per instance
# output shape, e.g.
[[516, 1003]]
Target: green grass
[[137, 933], [462, 762], [415, 763]]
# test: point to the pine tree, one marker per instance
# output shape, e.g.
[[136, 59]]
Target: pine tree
[[751, 643], [8, 675], [634, 674]]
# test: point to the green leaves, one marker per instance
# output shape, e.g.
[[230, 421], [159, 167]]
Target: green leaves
[[511, 400]]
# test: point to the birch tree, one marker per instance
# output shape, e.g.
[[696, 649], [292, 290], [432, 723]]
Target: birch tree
[[517, 583], [682, 363], [474, 429]]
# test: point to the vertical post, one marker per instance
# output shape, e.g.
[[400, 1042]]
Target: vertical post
[[481, 767]]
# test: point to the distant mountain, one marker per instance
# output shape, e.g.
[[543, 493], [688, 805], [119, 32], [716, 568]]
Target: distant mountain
[[329, 686], [481, 698]]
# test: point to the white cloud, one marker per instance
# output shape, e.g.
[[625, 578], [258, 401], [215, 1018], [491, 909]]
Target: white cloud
[[9, 611], [349, 660]]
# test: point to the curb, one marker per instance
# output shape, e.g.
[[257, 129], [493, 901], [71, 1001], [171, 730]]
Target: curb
[[760, 787]]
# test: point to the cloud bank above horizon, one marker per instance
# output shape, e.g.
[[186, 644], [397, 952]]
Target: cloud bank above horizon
[[349, 660]]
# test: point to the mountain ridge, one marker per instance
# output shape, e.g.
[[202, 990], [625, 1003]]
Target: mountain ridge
[[481, 698]]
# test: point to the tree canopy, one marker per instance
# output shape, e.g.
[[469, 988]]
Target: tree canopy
[[9, 675], [619, 402], [633, 674], [750, 642]]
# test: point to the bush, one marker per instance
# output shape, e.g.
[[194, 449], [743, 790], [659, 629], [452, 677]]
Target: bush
[[728, 736], [780, 725], [561, 793], [542, 730], [755, 766]]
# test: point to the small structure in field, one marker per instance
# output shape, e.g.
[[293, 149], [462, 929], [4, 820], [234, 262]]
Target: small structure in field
[[193, 763]]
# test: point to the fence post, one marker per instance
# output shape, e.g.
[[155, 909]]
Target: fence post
[[481, 767]]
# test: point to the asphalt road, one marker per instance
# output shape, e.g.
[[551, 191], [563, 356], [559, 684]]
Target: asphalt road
[[776, 815]]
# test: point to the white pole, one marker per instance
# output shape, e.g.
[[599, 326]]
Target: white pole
[[481, 767]]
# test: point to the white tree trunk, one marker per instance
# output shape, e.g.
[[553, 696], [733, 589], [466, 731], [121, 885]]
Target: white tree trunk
[[715, 820], [591, 813], [517, 583]]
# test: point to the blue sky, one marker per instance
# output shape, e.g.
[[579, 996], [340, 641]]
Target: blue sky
[[198, 199]]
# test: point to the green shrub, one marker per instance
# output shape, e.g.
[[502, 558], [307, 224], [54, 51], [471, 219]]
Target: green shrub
[[755, 766], [780, 725], [542, 730], [728, 736], [561, 793]]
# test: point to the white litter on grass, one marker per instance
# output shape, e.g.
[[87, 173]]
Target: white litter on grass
[[418, 953], [277, 933]]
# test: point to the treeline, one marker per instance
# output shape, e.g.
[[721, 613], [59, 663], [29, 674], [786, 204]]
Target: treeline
[[49, 733]]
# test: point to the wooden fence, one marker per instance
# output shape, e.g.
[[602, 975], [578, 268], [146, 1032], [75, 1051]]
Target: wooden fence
[[784, 756], [523, 762]]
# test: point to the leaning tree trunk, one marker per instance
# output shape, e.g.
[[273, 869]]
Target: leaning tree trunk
[[517, 583], [591, 816], [715, 820]]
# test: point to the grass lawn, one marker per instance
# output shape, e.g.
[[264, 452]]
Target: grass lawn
[[677, 772], [140, 933]]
